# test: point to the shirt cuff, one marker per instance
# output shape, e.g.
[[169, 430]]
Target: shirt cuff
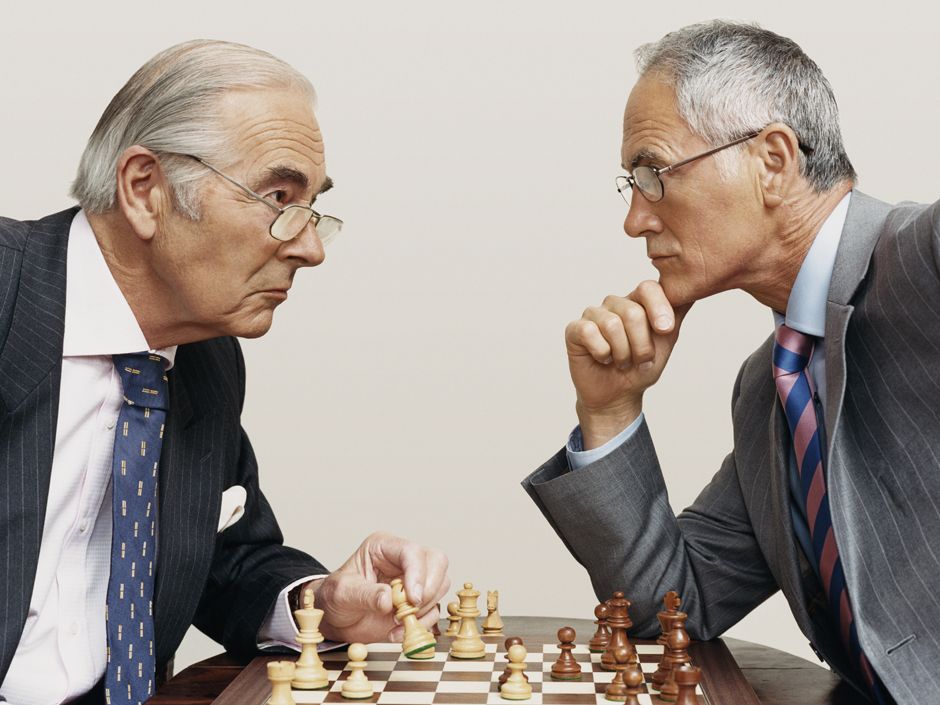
[[279, 628], [578, 458]]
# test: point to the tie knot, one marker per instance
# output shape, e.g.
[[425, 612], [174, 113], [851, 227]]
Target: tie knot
[[792, 350], [144, 379]]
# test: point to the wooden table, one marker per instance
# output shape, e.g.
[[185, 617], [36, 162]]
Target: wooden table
[[777, 678]]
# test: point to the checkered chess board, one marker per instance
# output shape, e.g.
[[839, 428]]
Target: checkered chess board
[[401, 681]]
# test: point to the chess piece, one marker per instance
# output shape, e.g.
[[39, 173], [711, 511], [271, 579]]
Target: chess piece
[[510, 642], [616, 690], [516, 686], [677, 654], [493, 624], [418, 642], [601, 638], [667, 618], [618, 619], [357, 686], [453, 619], [566, 668], [280, 674], [467, 643], [633, 680], [687, 678], [309, 673]]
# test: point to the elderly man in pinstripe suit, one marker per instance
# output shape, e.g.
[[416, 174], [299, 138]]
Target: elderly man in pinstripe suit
[[196, 192], [737, 178]]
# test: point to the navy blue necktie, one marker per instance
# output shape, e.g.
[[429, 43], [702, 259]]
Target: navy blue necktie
[[137, 442]]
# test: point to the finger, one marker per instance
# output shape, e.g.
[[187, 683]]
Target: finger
[[393, 555], [611, 327], [583, 335], [633, 318], [431, 619], [359, 597], [652, 298], [436, 582]]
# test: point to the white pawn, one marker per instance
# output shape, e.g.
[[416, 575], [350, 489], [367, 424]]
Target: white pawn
[[357, 686], [309, 673], [280, 674], [453, 619], [516, 686]]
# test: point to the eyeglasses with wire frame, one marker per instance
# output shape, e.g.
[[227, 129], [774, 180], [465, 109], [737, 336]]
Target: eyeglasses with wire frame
[[291, 219], [648, 179]]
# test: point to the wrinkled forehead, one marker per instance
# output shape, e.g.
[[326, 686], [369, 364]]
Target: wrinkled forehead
[[276, 130], [653, 131]]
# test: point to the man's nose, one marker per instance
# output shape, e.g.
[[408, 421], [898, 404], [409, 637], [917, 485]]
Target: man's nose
[[641, 217], [306, 250]]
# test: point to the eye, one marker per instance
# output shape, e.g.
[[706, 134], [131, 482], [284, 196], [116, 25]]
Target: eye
[[278, 196]]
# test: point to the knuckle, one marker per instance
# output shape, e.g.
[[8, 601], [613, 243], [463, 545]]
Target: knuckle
[[611, 301]]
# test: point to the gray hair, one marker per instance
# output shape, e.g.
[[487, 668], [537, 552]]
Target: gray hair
[[171, 105], [731, 79]]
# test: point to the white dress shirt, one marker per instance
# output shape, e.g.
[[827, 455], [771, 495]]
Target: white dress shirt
[[61, 653]]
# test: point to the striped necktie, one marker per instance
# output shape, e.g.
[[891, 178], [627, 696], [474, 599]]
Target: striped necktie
[[792, 353], [137, 441]]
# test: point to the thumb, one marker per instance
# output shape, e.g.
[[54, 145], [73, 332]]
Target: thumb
[[362, 597]]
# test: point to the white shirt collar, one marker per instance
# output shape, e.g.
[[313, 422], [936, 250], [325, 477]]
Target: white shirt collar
[[98, 319], [806, 307]]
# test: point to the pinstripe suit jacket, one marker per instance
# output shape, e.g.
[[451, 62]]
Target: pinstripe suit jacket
[[224, 583], [734, 546]]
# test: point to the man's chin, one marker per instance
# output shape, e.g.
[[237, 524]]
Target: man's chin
[[255, 327]]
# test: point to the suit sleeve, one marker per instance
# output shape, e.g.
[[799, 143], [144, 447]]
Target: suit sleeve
[[614, 517], [251, 565]]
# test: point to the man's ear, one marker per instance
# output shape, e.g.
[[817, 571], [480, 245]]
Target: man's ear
[[779, 151], [143, 193]]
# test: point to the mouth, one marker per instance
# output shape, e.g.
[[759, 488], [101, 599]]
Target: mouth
[[655, 259], [276, 293]]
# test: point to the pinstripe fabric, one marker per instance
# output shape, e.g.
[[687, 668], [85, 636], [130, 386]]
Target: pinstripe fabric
[[224, 583], [734, 546]]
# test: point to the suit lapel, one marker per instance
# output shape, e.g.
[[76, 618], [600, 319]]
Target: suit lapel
[[30, 372], [863, 225]]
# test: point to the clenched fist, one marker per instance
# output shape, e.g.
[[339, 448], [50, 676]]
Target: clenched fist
[[616, 351]]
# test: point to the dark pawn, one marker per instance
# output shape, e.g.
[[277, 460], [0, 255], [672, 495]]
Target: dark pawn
[[633, 680], [677, 654], [601, 638], [566, 668], [687, 677], [511, 641], [616, 690]]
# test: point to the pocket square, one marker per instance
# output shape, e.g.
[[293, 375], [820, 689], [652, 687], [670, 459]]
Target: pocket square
[[233, 506]]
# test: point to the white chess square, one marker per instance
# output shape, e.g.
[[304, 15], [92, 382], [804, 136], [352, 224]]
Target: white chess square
[[469, 666], [303, 697], [415, 676]]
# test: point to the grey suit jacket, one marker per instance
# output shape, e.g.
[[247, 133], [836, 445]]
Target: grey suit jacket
[[734, 547], [226, 582]]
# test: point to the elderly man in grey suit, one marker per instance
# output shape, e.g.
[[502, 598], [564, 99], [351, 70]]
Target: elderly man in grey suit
[[131, 505], [737, 178]]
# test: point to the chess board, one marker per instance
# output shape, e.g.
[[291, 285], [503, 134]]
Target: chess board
[[401, 681]]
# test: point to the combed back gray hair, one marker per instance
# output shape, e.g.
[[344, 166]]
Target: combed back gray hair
[[731, 79], [172, 104]]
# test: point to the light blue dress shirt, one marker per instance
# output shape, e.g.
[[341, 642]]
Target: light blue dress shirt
[[806, 312]]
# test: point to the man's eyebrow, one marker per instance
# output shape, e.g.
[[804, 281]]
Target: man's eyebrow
[[278, 174], [644, 155], [327, 185]]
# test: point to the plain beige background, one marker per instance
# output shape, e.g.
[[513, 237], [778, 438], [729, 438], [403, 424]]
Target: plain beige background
[[414, 378]]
